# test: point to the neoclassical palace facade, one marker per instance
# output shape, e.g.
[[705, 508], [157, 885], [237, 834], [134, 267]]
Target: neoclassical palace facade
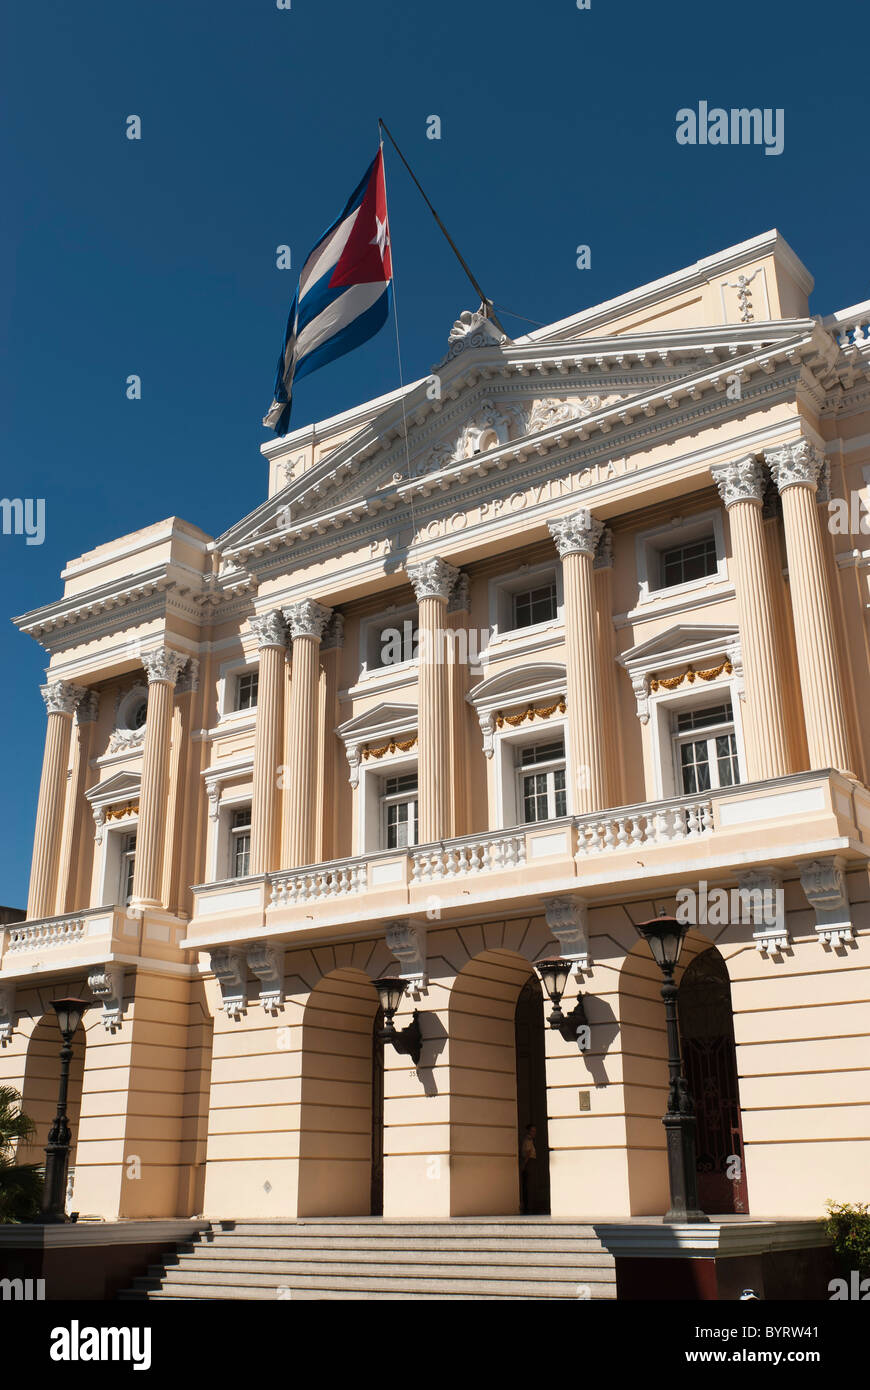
[[565, 635]]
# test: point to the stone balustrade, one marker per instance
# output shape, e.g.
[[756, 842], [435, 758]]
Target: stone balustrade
[[656, 823]]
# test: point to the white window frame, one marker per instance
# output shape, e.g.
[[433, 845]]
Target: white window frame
[[504, 588], [250, 673], [233, 833], [221, 860], [228, 678], [507, 744], [369, 641], [664, 706], [549, 769], [371, 828], [114, 835], [650, 545], [708, 734], [399, 798]]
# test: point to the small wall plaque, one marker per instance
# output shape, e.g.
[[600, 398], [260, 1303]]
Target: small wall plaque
[[585, 1100]]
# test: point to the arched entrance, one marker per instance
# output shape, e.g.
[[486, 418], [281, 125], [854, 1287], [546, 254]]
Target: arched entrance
[[710, 1066], [531, 1062]]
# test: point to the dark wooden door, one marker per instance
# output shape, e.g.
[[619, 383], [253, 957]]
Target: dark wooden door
[[377, 1202], [532, 1091], [710, 1065]]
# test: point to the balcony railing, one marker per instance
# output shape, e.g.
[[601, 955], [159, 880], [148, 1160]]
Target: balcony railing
[[471, 854], [649, 823]]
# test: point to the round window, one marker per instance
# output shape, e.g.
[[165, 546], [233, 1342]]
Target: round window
[[139, 714]]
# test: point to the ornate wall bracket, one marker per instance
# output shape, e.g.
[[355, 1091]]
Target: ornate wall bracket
[[107, 983], [824, 884], [7, 1012], [762, 903], [407, 941], [230, 970], [567, 919], [267, 963]]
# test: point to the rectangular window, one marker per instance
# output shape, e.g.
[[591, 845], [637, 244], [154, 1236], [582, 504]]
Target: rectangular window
[[535, 605], [246, 690], [543, 792], [709, 761], [395, 643], [240, 843], [694, 560], [399, 801], [128, 867]]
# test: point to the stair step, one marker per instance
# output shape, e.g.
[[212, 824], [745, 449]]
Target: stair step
[[528, 1229], [262, 1272], [484, 1245], [340, 1285], [442, 1253], [463, 1259]]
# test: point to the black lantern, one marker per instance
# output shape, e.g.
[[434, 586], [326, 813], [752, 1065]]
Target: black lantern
[[391, 991], [665, 937], [554, 974], [69, 1015]]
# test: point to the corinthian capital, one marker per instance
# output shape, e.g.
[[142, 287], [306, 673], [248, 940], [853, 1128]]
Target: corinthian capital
[[163, 664], [433, 578], [797, 464], [577, 534], [741, 480], [62, 697], [269, 629], [307, 618]]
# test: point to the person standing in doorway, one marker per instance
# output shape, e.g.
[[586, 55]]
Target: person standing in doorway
[[528, 1155]]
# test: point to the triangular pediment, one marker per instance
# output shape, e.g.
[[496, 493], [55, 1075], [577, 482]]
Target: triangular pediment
[[684, 642], [123, 786], [384, 721]]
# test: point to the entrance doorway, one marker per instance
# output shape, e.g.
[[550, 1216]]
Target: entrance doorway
[[532, 1095], [710, 1063], [377, 1202]]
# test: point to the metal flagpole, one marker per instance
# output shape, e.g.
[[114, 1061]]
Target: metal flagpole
[[485, 304]]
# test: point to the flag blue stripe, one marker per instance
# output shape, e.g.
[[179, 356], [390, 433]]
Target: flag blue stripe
[[363, 327]]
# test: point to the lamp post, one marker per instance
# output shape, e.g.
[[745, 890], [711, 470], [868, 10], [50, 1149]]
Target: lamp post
[[664, 935], [409, 1042], [69, 1013], [554, 974]]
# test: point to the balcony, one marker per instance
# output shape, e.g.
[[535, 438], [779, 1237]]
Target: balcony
[[93, 936], [640, 849]]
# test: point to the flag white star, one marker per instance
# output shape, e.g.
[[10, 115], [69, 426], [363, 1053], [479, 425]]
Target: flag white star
[[381, 237]]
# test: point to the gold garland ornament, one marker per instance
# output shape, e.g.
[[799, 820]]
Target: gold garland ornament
[[542, 712], [118, 813], [392, 747], [690, 675]]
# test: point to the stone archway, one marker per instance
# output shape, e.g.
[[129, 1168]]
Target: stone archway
[[484, 1120], [336, 1097]]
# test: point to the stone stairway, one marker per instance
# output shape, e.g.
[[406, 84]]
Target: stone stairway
[[353, 1258]]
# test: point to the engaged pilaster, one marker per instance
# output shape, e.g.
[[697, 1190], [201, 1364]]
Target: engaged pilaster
[[162, 667], [796, 468], [306, 622], [61, 699], [741, 487], [576, 539], [272, 646], [433, 582]]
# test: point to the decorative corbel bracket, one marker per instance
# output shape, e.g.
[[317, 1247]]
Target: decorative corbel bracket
[[267, 963], [107, 983], [762, 905], [824, 885], [229, 969], [7, 1012], [567, 919], [407, 941]]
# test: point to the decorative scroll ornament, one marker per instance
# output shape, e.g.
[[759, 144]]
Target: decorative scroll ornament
[[107, 983], [824, 884], [269, 629], [307, 618], [762, 903], [163, 664], [119, 812], [691, 675], [393, 746], [473, 330], [532, 712], [126, 740], [578, 534], [567, 919], [267, 963], [548, 412], [433, 578], [7, 1012], [740, 481], [798, 464], [407, 941], [229, 969], [62, 697]]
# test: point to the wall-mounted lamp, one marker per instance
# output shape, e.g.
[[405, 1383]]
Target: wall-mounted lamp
[[554, 974], [409, 1042]]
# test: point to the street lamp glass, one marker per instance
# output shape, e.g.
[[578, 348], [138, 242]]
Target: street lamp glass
[[665, 936], [390, 991], [554, 974], [69, 1013]]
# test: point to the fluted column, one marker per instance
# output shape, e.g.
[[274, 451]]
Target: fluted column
[[76, 855], [576, 539], [433, 582], [272, 645], [602, 567], [796, 468], [741, 487], [306, 621], [162, 667], [61, 699]]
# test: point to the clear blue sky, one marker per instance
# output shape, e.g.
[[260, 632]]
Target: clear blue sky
[[157, 257]]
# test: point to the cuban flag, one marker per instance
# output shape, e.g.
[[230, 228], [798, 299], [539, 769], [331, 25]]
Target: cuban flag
[[343, 295]]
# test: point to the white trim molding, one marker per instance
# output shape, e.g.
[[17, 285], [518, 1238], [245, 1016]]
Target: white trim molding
[[386, 722]]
